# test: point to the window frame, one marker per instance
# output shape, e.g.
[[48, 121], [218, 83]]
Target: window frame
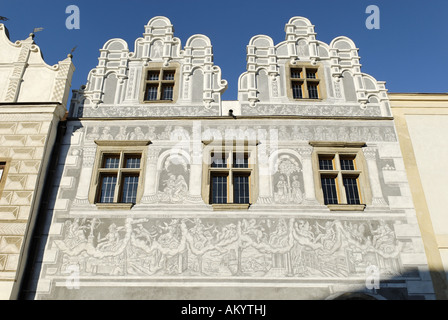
[[160, 82], [304, 80], [337, 151], [123, 149], [230, 171]]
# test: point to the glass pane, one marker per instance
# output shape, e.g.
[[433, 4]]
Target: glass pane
[[311, 74], [168, 75], [1, 173], [312, 91], [241, 189], [240, 160], [133, 162], [151, 92], [111, 161], [167, 92], [219, 160], [297, 90], [325, 163], [347, 164], [351, 190], [329, 190], [130, 186], [153, 75], [108, 184], [296, 73], [219, 189]]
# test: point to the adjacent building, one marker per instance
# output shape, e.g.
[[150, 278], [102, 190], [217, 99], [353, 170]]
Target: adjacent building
[[164, 191], [33, 96], [421, 120]]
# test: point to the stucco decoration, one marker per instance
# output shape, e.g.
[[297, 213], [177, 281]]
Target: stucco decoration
[[339, 60], [247, 247], [115, 87]]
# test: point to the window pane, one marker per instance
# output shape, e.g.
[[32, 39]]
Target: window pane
[[167, 92], [296, 73], [312, 91], [351, 190], [168, 75], [241, 189], [325, 164], [219, 160], [240, 160], [329, 190], [1, 173], [111, 161], [133, 162], [151, 92], [311, 74], [130, 186], [153, 75], [108, 184], [297, 90], [219, 189], [347, 164]]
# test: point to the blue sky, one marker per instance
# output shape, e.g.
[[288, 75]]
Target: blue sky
[[409, 51]]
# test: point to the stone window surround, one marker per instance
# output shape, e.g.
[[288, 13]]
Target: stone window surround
[[235, 146], [320, 76], [344, 148], [111, 147], [158, 66]]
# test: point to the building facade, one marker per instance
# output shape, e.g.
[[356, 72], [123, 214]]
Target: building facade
[[421, 120], [164, 191], [33, 96]]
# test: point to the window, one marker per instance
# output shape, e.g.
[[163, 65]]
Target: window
[[304, 83], [160, 84], [230, 178], [3, 171], [118, 174], [341, 178]]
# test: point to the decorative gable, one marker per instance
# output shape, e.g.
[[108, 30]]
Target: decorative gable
[[120, 86], [275, 82]]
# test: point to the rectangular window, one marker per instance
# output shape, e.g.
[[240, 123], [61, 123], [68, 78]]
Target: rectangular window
[[219, 189], [160, 85], [241, 189], [304, 87], [351, 190], [119, 175], [297, 90], [230, 175], [329, 190], [340, 176]]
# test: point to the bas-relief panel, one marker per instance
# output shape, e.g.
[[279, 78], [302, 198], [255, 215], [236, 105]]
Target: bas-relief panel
[[226, 248], [302, 132], [311, 110], [287, 180], [121, 111]]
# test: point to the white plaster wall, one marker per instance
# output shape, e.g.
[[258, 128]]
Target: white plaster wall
[[429, 139]]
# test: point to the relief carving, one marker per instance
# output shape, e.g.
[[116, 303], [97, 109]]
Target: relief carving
[[256, 247]]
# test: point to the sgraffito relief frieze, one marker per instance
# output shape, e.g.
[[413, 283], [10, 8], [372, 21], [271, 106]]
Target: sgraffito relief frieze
[[311, 110], [226, 247], [302, 132], [123, 111]]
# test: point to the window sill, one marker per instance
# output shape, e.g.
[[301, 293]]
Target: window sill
[[346, 207], [230, 206], [114, 206]]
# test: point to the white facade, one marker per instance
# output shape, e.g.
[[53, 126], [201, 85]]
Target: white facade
[[33, 96], [175, 241]]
